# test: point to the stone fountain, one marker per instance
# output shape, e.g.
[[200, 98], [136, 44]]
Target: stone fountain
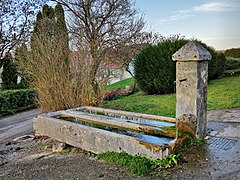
[[100, 130]]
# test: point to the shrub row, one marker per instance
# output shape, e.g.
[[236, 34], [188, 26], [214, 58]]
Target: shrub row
[[12, 101]]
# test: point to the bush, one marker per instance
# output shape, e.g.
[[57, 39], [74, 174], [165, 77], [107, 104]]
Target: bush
[[232, 63], [155, 71], [216, 65], [114, 94], [15, 100]]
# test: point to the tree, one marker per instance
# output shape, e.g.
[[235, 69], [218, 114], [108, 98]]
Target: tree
[[55, 87], [216, 65], [9, 73], [16, 20], [45, 65], [51, 22], [100, 25], [21, 54], [62, 30], [124, 54]]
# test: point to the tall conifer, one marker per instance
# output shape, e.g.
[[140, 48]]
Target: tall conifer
[[9, 74], [51, 25]]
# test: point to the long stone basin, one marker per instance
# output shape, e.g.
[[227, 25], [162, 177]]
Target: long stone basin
[[100, 130]]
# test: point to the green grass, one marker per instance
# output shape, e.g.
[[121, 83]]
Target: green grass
[[121, 84], [138, 102], [142, 165], [222, 94], [137, 164]]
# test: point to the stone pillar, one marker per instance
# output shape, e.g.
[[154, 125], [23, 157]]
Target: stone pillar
[[191, 86]]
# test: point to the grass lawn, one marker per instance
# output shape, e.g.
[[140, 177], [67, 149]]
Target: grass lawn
[[121, 84], [222, 93]]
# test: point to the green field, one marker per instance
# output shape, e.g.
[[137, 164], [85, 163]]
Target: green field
[[222, 94]]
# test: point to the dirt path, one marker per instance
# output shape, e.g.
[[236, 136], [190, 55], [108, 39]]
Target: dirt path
[[219, 159]]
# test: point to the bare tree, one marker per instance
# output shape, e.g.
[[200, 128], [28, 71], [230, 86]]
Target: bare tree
[[16, 18], [124, 54], [100, 25]]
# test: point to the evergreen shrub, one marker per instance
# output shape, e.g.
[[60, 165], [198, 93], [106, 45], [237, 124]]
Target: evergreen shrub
[[154, 69], [216, 65]]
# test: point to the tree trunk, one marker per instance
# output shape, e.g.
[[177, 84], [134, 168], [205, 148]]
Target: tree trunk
[[93, 78]]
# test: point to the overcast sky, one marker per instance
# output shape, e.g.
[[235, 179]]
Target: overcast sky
[[215, 22]]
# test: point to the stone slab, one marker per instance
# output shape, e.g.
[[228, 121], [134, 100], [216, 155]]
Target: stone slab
[[126, 113], [114, 122], [93, 139]]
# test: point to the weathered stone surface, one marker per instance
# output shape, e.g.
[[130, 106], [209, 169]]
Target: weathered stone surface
[[123, 124], [187, 123], [95, 140], [125, 113], [191, 84], [58, 146], [192, 51]]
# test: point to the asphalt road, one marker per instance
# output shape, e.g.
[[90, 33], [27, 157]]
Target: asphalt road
[[17, 125]]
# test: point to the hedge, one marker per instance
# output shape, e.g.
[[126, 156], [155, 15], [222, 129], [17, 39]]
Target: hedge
[[12, 101], [154, 69]]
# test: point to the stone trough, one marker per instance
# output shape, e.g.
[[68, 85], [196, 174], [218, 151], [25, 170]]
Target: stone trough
[[100, 130]]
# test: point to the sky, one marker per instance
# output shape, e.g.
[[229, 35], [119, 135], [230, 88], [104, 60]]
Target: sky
[[215, 22]]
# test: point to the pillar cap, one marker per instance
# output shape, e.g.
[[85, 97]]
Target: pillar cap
[[192, 51]]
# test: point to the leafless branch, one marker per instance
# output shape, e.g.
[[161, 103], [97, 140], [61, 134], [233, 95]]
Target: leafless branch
[[101, 25], [16, 20]]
